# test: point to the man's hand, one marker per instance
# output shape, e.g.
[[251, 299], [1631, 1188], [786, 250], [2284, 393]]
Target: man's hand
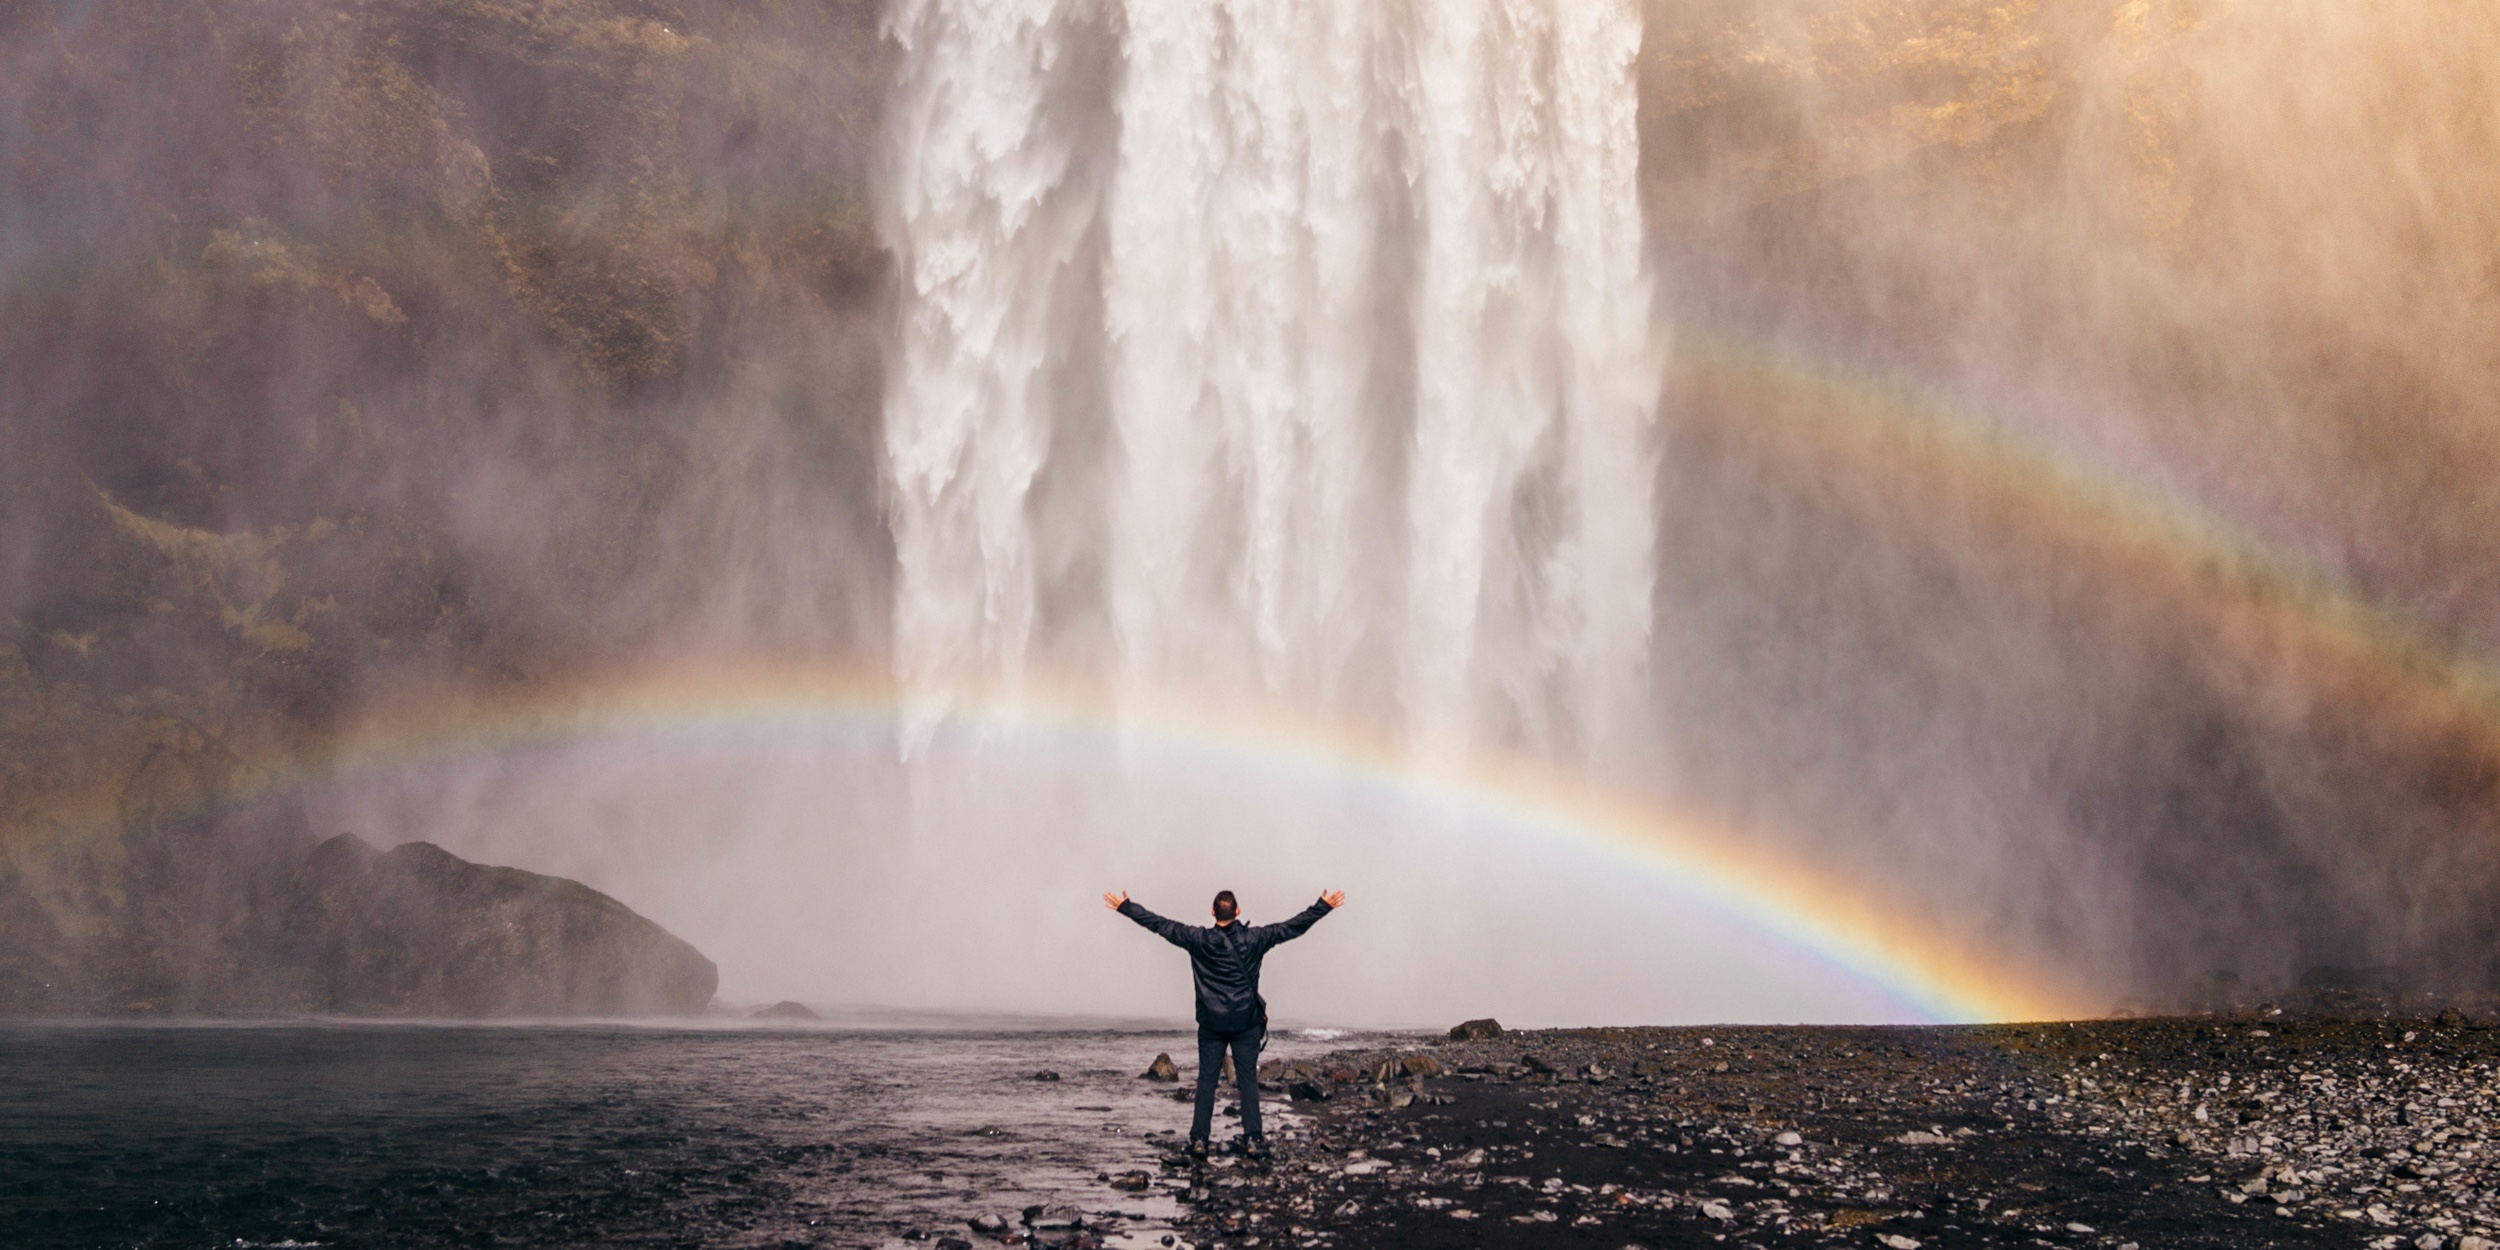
[[1334, 898], [1113, 900]]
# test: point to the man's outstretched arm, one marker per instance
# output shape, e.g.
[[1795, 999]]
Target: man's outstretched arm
[[1288, 930], [1172, 931]]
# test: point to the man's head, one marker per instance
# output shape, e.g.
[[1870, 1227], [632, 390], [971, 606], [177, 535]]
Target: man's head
[[1225, 907]]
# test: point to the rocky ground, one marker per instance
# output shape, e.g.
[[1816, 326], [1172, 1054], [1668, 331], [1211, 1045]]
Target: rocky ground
[[2245, 1131]]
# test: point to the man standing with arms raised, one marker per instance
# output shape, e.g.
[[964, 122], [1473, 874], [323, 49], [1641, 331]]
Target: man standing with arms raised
[[1224, 961]]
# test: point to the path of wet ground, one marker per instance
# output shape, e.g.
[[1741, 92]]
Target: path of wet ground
[[2152, 1133]]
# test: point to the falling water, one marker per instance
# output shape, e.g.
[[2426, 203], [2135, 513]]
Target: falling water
[[1376, 335]]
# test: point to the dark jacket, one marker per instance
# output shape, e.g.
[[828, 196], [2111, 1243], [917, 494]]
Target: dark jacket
[[1224, 960]]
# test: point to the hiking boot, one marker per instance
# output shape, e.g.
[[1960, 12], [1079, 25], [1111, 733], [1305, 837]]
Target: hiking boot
[[1197, 1149], [1256, 1148]]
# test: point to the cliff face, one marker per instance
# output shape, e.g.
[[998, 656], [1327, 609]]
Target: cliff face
[[307, 311]]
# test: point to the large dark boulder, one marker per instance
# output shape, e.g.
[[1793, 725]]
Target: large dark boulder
[[190, 900], [417, 930]]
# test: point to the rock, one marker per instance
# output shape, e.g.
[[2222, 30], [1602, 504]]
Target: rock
[[193, 904], [1536, 1064], [416, 930], [989, 1225], [1045, 1075], [1133, 1182], [1476, 1030], [1789, 1139], [1162, 1069], [953, 1243], [784, 1010], [1920, 1137], [1895, 1241], [1422, 1065], [1309, 1091]]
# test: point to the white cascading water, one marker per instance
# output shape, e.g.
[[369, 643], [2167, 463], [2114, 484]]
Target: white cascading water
[[1239, 299], [976, 216], [1529, 497], [1379, 363]]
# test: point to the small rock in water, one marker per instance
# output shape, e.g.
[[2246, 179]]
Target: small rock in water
[[1045, 1075], [1895, 1241], [1476, 1030], [784, 1010], [988, 1225], [953, 1243], [1161, 1069]]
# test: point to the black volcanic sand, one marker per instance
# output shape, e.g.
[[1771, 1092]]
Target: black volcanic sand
[[2156, 1133]]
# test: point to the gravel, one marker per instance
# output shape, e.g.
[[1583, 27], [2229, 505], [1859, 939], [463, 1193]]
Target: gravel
[[2226, 1131]]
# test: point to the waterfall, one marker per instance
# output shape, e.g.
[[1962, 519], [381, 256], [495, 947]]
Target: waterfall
[[1376, 347]]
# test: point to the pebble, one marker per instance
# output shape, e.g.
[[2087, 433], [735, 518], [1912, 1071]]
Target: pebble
[[2334, 1132]]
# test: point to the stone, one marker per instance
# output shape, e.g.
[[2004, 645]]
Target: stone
[[1132, 1182], [1422, 1065], [1789, 1139], [1476, 1030], [1308, 1091], [417, 930], [1895, 1241], [784, 1010], [215, 908], [1162, 1069], [1045, 1075], [989, 1225], [953, 1243]]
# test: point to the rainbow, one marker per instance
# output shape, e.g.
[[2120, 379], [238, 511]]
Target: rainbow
[[2254, 615], [1833, 921], [2253, 611]]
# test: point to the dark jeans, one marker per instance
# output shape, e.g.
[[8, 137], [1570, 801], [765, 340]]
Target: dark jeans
[[1245, 1047]]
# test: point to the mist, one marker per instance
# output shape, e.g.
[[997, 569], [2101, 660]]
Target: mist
[[2030, 460]]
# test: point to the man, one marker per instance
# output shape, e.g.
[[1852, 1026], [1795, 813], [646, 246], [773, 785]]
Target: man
[[1224, 961]]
